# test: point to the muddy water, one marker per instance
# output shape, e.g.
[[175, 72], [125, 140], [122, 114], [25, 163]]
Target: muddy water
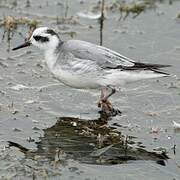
[[31, 101]]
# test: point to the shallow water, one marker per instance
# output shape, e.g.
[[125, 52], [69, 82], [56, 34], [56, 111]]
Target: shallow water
[[148, 107]]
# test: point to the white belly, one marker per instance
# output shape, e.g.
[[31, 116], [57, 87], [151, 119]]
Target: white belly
[[75, 80]]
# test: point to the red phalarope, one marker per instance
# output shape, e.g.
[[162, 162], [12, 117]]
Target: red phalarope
[[84, 65]]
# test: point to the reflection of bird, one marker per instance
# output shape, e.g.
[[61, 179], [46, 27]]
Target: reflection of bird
[[83, 65]]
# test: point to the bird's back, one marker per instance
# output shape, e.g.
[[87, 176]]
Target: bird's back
[[89, 64], [99, 54]]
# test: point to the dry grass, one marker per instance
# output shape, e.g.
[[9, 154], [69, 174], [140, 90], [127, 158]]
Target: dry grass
[[10, 24]]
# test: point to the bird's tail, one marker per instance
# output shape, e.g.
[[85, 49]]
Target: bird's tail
[[152, 67], [143, 66]]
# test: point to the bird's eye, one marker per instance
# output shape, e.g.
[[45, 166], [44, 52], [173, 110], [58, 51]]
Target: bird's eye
[[37, 38], [41, 38]]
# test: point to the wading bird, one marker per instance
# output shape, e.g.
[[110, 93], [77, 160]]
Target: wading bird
[[80, 64]]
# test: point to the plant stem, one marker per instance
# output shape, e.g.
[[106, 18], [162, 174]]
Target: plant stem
[[102, 22]]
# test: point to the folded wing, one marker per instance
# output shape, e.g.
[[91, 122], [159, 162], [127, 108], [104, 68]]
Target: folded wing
[[106, 58]]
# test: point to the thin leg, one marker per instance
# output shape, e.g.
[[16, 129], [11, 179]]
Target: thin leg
[[104, 103], [113, 91], [103, 94]]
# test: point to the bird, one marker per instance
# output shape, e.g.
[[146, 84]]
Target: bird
[[84, 65]]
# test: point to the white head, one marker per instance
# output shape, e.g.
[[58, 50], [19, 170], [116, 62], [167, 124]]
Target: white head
[[44, 38]]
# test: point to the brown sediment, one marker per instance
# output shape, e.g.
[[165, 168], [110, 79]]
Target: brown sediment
[[89, 141]]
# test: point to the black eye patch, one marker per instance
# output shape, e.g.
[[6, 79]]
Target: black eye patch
[[41, 38]]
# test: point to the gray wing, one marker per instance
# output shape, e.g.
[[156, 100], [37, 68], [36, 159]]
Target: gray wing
[[101, 56], [69, 62]]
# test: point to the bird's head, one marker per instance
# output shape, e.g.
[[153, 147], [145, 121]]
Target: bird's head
[[43, 38]]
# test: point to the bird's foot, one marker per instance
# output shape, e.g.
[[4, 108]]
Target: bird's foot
[[107, 108], [104, 102], [113, 113]]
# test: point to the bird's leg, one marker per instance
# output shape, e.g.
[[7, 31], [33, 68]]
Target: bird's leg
[[104, 103], [103, 94], [113, 91]]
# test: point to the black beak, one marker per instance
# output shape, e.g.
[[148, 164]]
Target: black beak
[[27, 43]]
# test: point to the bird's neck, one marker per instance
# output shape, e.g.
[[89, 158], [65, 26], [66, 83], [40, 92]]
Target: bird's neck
[[51, 56]]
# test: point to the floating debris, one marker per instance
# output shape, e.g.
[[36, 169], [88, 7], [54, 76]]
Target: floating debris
[[176, 125], [74, 124], [30, 101], [36, 128], [81, 143], [21, 148], [153, 114], [30, 139], [15, 111], [155, 130], [35, 121], [101, 151], [19, 87], [89, 15], [17, 130]]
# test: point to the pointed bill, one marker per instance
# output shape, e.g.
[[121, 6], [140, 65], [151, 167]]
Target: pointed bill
[[27, 43]]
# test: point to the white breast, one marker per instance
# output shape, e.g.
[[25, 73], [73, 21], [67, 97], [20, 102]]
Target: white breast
[[50, 59], [75, 80]]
